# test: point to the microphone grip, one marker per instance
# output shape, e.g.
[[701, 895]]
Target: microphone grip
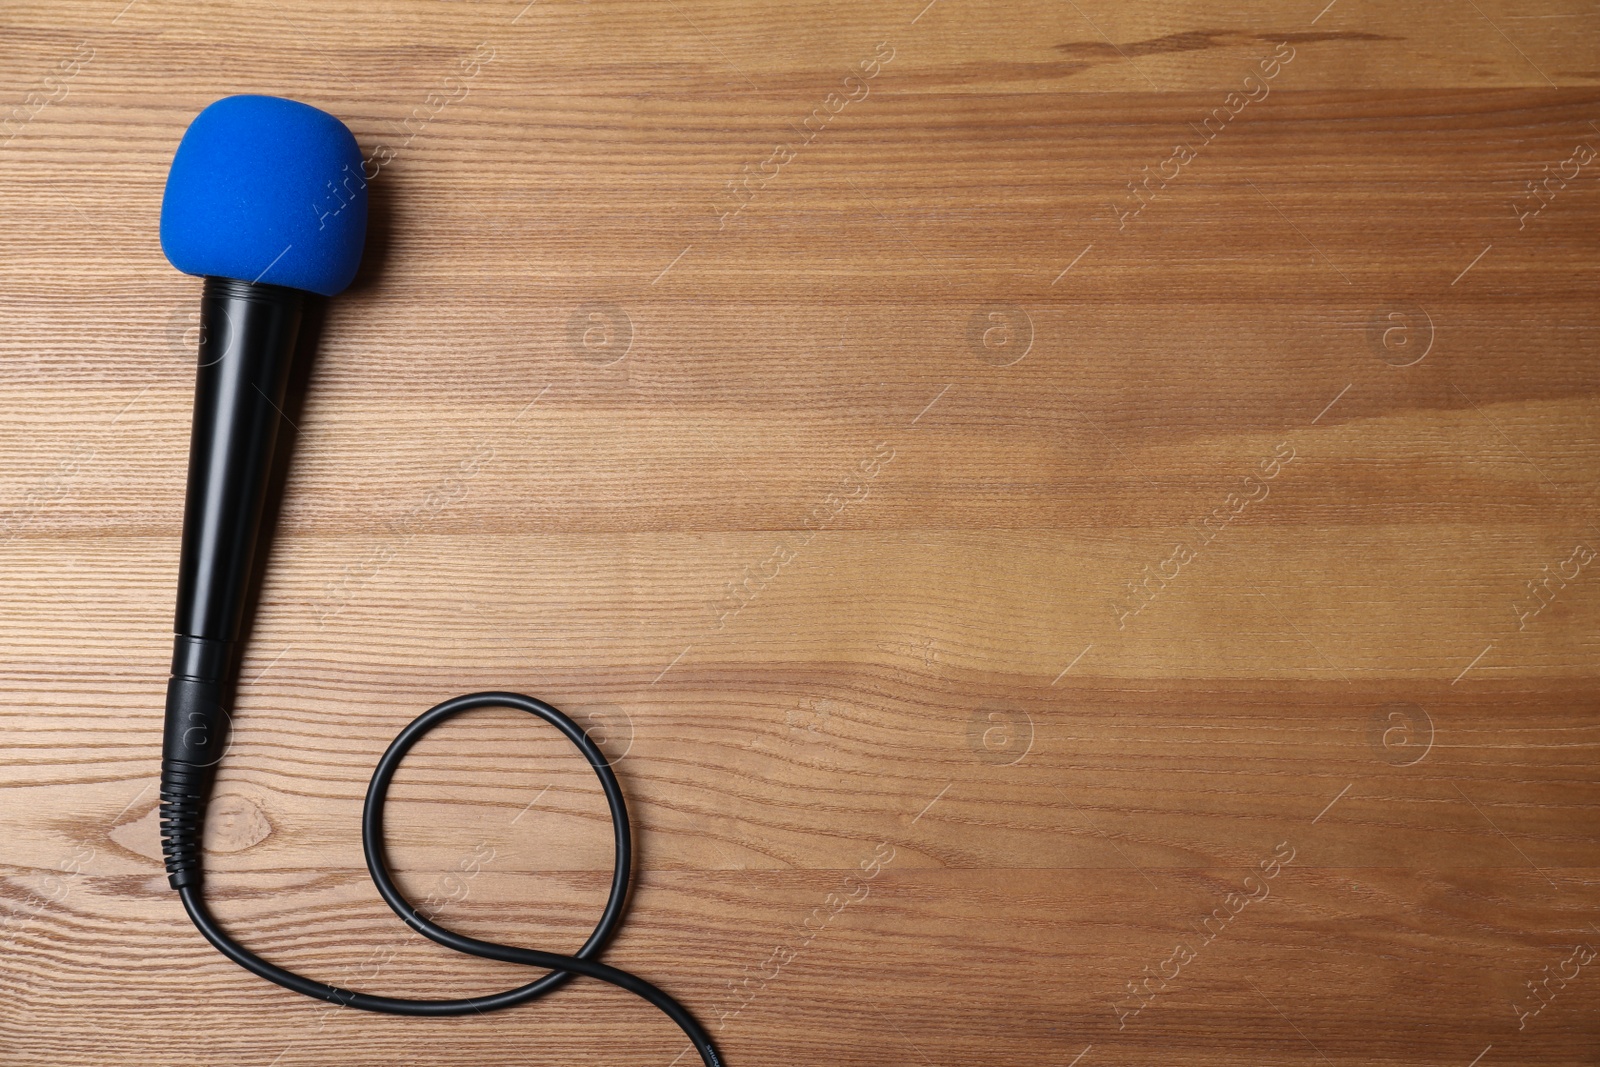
[[248, 333]]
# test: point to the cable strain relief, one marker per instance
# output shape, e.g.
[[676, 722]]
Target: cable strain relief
[[184, 790]]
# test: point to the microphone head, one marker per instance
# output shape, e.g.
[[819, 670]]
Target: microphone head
[[264, 189]]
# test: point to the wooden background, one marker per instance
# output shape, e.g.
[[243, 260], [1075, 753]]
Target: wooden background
[[824, 514]]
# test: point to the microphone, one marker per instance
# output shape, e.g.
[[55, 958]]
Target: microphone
[[241, 211], [267, 201]]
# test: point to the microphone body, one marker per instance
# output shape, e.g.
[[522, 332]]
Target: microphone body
[[247, 344]]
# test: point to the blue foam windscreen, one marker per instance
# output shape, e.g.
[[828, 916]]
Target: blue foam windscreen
[[264, 189]]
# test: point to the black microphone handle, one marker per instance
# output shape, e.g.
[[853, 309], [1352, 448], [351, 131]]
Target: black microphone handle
[[247, 342]]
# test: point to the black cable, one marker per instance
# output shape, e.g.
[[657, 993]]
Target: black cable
[[181, 822]]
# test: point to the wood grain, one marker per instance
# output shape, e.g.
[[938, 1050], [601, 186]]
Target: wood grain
[[817, 489]]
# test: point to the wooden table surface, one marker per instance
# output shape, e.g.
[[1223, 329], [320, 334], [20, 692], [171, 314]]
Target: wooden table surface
[[1075, 520]]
